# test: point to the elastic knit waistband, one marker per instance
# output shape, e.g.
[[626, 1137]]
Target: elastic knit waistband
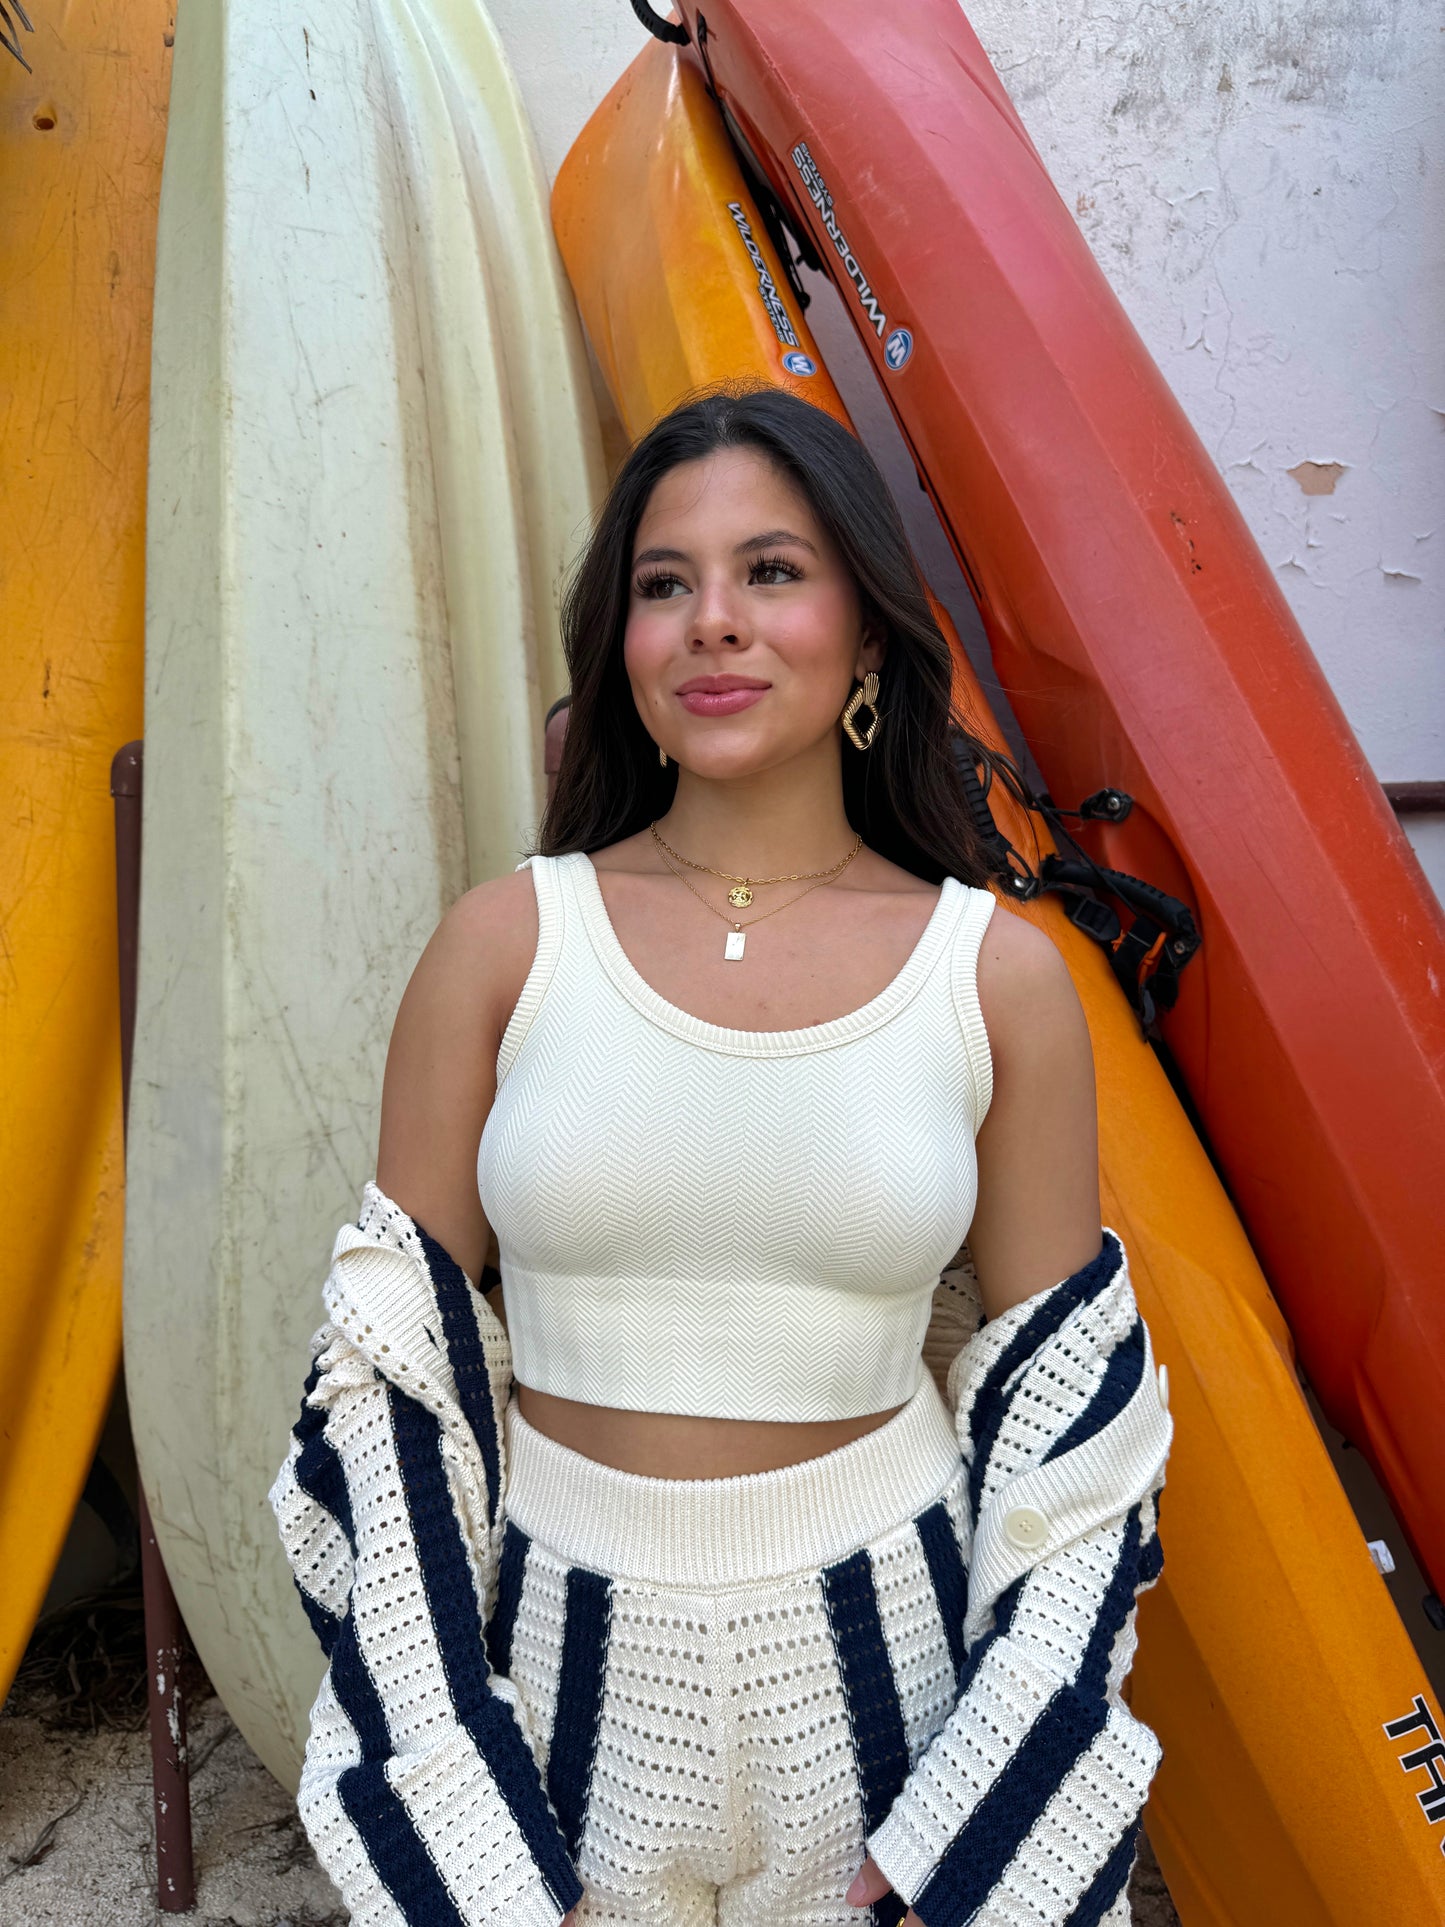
[[714, 1532]]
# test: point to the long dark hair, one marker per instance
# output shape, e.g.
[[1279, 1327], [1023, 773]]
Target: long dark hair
[[904, 793]]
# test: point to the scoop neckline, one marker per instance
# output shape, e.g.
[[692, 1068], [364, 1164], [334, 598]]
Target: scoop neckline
[[895, 994]]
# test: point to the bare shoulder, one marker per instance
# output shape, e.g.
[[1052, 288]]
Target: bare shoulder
[[1025, 991], [441, 1064], [492, 924], [1037, 1216], [481, 950]]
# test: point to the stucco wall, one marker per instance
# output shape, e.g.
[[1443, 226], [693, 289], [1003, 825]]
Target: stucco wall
[[1263, 181]]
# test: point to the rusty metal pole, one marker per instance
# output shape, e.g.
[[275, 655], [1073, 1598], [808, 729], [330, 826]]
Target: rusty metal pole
[[164, 1634]]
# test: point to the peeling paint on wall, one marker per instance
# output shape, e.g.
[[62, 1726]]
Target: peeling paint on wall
[[1262, 184], [1318, 478]]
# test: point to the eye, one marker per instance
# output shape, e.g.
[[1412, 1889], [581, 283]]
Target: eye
[[776, 567], [657, 585]]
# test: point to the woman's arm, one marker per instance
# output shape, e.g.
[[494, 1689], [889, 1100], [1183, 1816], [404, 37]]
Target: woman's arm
[[441, 1069], [1037, 1216], [1028, 1798], [420, 1791]]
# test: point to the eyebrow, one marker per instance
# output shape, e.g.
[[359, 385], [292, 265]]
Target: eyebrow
[[766, 540], [771, 536]]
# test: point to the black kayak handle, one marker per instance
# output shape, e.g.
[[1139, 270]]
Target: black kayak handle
[[659, 28]]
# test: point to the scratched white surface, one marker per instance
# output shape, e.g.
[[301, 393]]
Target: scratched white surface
[[1263, 181], [338, 549]]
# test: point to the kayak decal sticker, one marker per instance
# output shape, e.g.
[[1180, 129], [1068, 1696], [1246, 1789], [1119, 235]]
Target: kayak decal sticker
[[798, 363], [1429, 1758], [817, 190], [897, 348], [767, 288]]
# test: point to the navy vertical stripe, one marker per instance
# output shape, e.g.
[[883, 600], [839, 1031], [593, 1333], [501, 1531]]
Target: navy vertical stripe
[[1151, 1560], [325, 1624], [320, 1475], [1004, 1608], [317, 1467], [352, 1684], [1114, 1609], [468, 1358], [975, 1859], [875, 1716], [456, 1622], [357, 1696], [511, 1571], [317, 1472], [581, 1682], [309, 1414], [441, 1554], [402, 1863], [949, 1575], [1108, 1883], [870, 1693], [1121, 1379], [1055, 1306]]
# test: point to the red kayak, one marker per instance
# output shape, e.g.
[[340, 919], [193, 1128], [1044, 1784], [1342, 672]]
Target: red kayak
[[1144, 644]]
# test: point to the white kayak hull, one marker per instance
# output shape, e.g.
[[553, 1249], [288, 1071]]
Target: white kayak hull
[[359, 511]]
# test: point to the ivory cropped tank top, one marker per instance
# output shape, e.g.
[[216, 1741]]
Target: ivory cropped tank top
[[729, 1223]]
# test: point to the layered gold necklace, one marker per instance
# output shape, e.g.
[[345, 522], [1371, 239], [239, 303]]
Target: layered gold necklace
[[741, 894]]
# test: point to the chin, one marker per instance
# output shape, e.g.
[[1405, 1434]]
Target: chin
[[722, 760]]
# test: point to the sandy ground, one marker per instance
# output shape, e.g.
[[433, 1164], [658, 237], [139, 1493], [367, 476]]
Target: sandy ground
[[77, 1808], [77, 1846]]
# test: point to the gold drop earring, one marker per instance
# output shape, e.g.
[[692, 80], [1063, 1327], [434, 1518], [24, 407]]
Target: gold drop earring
[[662, 755], [865, 696]]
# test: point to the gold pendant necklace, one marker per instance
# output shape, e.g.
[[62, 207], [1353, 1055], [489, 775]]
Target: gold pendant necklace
[[741, 895]]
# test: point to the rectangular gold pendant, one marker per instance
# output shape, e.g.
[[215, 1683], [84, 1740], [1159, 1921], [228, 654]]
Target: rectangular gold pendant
[[733, 948]]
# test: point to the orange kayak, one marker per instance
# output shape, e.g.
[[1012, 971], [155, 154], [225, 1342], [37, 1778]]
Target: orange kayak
[[1270, 1652], [1144, 643], [80, 172]]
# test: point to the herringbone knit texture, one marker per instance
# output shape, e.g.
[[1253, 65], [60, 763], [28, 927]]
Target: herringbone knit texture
[[659, 1185]]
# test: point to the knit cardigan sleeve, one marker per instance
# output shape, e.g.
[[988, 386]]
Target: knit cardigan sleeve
[[420, 1790], [1026, 1804]]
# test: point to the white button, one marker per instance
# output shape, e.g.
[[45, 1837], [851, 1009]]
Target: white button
[[1025, 1527], [1164, 1386]]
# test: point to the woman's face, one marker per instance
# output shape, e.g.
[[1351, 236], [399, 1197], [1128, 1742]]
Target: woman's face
[[744, 629]]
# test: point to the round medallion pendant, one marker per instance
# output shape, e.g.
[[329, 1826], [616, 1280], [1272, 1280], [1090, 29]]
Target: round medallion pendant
[[740, 896]]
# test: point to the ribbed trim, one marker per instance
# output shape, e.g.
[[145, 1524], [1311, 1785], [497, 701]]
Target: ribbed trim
[[760, 1043], [963, 964], [551, 917], [720, 1532]]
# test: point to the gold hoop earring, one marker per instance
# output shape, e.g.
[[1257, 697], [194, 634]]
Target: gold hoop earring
[[865, 696], [662, 755]]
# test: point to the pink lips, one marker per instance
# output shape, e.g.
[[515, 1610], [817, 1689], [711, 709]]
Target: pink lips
[[720, 695]]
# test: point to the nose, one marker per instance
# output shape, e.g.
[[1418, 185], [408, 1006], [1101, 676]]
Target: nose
[[716, 619]]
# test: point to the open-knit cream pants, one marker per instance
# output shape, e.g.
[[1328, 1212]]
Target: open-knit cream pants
[[727, 1680]]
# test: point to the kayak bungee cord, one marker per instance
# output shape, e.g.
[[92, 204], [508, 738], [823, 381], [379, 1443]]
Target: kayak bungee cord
[[659, 28], [1162, 936]]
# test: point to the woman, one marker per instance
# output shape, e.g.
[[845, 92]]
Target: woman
[[688, 1597]]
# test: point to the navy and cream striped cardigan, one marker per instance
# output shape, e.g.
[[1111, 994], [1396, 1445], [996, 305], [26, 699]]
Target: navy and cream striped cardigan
[[420, 1790]]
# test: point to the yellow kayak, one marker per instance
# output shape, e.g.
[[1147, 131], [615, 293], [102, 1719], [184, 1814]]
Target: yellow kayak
[[1271, 1656], [80, 171]]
